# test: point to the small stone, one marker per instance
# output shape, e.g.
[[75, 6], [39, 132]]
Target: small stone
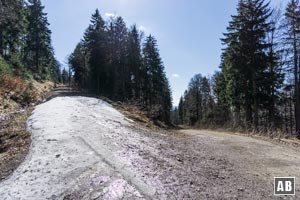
[[96, 195]]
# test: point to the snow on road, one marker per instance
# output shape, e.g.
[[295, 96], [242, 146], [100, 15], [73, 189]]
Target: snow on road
[[82, 148], [72, 140]]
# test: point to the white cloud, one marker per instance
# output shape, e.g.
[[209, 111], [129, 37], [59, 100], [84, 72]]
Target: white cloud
[[176, 75], [142, 28], [110, 14]]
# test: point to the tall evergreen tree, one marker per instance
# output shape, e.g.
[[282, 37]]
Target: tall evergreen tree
[[64, 76], [12, 29], [181, 111], [196, 106], [38, 50], [135, 63], [155, 84], [121, 73], [221, 109], [245, 58], [292, 37], [78, 63], [110, 56], [95, 40]]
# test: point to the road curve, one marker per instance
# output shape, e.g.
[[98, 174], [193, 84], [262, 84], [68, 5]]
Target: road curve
[[82, 148]]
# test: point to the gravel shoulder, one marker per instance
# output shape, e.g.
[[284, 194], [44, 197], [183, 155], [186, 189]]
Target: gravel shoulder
[[82, 148]]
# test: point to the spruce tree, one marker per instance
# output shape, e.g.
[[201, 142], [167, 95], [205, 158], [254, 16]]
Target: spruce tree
[[181, 111], [121, 70], [221, 109], [78, 63], [134, 63], [292, 35], [12, 29], [38, 49], [110, 57], [245, 59], [157, 94], [95, 41]]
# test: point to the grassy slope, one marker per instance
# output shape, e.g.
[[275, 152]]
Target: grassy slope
[[17, 98]]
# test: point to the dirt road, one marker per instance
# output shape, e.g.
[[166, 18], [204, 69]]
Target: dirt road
[[82, 148]]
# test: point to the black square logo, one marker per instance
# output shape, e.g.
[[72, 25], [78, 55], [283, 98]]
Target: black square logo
[[284, 186]]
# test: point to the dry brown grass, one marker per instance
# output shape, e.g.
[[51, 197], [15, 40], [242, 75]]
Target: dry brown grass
[[16, 93], [16, 99]]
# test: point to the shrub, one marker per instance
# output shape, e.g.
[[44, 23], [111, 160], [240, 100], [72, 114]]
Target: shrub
[[17, 89], [4, 67]]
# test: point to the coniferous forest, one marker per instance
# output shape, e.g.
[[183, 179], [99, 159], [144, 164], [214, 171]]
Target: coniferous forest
[[25, 41], [257, 88], [114, 61], [102, 124]]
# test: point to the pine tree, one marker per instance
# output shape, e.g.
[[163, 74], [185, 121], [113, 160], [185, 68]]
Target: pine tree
[[197, 105], [12, 29], [175, 116], [245, 60], [55, 72], [121, 70], [181, 111], [273, 76], [95, 41], [221, 109], [134, 63], [292, 35], [38, 50], [78, 63], [64, 76], [110, 56], [157, 94], [195, 99], [8, 17]]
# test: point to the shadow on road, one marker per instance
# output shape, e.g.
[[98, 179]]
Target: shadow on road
[[61, 91]]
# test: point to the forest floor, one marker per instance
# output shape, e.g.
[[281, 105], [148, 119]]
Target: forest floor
[[82, 148]]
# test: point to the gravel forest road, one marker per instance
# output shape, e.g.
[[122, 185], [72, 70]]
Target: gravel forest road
[[82, 148]]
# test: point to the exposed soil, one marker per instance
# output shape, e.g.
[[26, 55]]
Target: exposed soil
[[14, 142], [83, 148]]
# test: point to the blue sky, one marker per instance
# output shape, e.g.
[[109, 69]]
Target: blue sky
[[188, 31]]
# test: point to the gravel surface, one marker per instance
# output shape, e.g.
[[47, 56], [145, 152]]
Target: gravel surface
[[82, 148]]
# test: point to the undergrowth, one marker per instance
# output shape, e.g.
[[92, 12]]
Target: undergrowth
[[17, 89]]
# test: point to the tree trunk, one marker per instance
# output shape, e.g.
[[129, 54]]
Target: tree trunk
[[297, 115], [272, 108], [37, 61], [255, 106], [69, 77], [291, 113], [1, 41], [236, 117], [296, 95]]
